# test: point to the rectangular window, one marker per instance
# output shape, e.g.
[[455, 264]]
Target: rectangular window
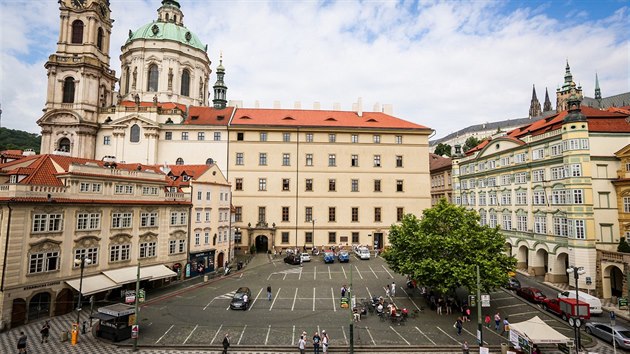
[[207, 216], [263, 136], [262, 214], [184, 135], [579, 229], [520, 177], [217, 136], [354, 185], [540, 224], [309, 184], [493, 220], [150, 190], [197, 238], [285, 237], [399, 185], [560, 226], [43, 262], [239, 159], [332, 214], [521, 197], [286, 159], [168, 136], [506, 180], [355, 237], [399, 161], [377, 214], [286, 183], [400, 213], [286, 137], [176, 246], [262, 184], [88, 221], [493, 199], [332, 138], [575, 170], [123, 189], [148, 219], [148, 249], [238, 214], [520, 158], [507, 221], [208, 195], [354, 138], [198, 217], [538, 197], [578, 196], [332, 160], [538, 154], [626, 204], [309, 137], [355, 214], [506, 198], [262, 159], [332, 237], [121, 220], [88, 253], [308, 237], [285, 213], [538, 175], [521, 222], [377, 139], [556, 150], [308, 214], [107, 140], [377, 185], [558, 173], [178, 218], [240, 136], [309, 159], [332, 185], [118, 253], [238, 184], [398, 139], [354, 161], [201, 136], [377, 160]]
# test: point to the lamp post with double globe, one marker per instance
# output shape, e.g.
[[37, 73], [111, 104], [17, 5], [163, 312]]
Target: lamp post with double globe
[[81, 262], [576, 271]]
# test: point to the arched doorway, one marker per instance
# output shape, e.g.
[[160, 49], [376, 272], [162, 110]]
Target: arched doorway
[[63, 302], [262, 244], [39, 306], [64, 145], [220, 260], [522, 257], [541, 266], [508, 248], [18, 313], [612, 284]]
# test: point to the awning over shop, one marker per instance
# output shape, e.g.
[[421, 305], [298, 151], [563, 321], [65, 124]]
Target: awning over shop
[[125, 275], [93, 284], [537, 332], [156, 272]]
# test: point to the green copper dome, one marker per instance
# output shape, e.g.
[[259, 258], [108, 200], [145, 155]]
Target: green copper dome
[[166, 31]]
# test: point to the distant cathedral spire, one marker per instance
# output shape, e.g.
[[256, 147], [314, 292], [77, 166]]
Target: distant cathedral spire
[[598, 92], [220, 89], [547, 106], [534, 106]]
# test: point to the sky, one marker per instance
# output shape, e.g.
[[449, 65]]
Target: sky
[[442, 64]]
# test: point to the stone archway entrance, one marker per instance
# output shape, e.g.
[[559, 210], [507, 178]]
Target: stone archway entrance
[[18, 313], [508, 248], [39, 306], [540, 266], [220, 260], [612, 282], [522, 258], [63, 302], [262, 244]]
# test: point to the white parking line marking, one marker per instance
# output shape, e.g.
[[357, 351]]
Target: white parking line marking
[[293, 336], [300, 276], [465, 330], [355, 267], [345, 339], [208, 304], [390, 274], [285, 276], [332, 293], [240, 276], [269, 277], [373, 272], [329, 276], [313, 299], [502, 298], [425, 336], [275, 298], [344, 272], [241, 337], [268, 331], [409, 297], [370, 334], [441, 330], [506, 306], [165, 333], [216, 334], [191, 333], [294, 297], [315, 273], [523, 313], [252, 305], [403, 338]]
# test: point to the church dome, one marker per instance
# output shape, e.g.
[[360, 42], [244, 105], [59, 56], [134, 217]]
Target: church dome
[[166, 31]]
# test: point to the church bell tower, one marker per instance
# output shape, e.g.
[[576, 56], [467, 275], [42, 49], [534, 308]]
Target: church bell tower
[[80, 82]]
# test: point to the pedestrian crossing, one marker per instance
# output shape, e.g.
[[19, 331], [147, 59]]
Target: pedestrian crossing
[[227, 296]]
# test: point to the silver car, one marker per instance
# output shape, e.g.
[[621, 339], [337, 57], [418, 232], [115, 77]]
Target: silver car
[[604, 331]]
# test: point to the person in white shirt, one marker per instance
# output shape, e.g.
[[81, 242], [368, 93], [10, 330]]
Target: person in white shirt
[[302, 344]]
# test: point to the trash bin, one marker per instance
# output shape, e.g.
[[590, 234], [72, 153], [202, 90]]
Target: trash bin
[[504, 348], [205, 278], [63, 336], [239, 265]]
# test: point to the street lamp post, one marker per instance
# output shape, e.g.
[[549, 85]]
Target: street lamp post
[[80, 262], [577, 271]]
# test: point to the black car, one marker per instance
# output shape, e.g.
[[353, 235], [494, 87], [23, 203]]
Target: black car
[[292, 259], [239, 302]]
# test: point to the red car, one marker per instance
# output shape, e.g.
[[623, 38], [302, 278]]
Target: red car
[[531, 294]]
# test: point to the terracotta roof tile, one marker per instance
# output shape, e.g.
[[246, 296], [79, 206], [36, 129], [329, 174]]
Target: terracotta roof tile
[[209, 116], [163, 105], [437, 162]]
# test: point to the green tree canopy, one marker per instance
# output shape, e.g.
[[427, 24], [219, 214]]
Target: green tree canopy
[[623, 246], [442, 249], [470, 143], [18, 140], [442, 149]]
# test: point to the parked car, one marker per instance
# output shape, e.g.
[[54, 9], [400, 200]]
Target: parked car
[[567, 308], [531, 294], [305, 257], [343, 257], [329, 257], [604, 331], [363, 253], [292, 259], [238, 300], [513, 284]]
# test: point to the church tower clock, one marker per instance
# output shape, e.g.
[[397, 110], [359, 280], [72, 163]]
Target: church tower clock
[[80, 82]]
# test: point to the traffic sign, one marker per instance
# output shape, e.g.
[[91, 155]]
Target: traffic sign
[[485, 300], [134, 331]]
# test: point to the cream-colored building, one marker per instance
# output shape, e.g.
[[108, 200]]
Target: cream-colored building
[[548, 187], [55, 209]]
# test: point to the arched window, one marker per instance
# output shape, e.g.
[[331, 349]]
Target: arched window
[[64, 145], [99, 39], [77, 32], [127, 78], [179, 161], [68, 90], [153, 78], [135, 133], [185, 83]]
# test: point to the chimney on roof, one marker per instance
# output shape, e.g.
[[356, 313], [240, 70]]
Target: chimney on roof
[[317, 106], [256, 104], [388, 109], [358, 107], [276, 105], [336, 106], [297, 105]]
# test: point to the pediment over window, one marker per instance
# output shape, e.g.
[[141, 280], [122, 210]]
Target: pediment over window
[[121, 238], [87, 241], [45, 245]]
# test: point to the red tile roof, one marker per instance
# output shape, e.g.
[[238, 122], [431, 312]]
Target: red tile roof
[[437, 162], [209, 116], [162, 105], [95, 201]]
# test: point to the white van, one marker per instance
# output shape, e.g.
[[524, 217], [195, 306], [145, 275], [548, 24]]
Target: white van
[[595, 303], [363, 253]]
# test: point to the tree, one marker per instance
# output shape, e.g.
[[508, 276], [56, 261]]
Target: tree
[[18, 140], [470, 143], [442, 249], [623, 246], [442, 149]]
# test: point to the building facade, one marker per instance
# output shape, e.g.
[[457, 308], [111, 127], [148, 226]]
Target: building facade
[[441, 179]]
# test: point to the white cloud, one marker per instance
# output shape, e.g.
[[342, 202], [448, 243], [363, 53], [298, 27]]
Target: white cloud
[[445, 65]]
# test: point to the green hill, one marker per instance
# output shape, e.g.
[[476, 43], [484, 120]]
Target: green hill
[[16, 139]]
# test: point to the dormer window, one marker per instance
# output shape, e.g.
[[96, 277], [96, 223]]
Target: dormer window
[[13, 179]]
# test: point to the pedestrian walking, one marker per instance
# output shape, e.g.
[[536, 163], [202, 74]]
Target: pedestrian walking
[[506, 327], [439, 306], [302, 344], [21, 343], [393, 289], [45, 332], [226, 343], [497, 321], [467, 314], [316, 342], [344, 290], [269, 292], [459, 324], [487, 321], [387, 290], [325, 341], [465, 348], [449, 305]]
